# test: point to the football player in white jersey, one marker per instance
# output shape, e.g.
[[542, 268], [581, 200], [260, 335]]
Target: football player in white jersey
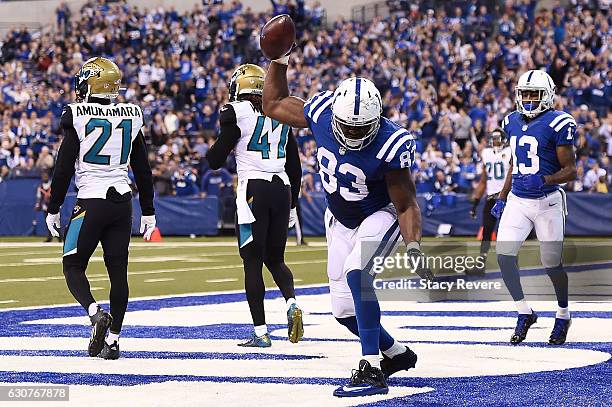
[[542, 145], [495, 165], [269, 180], [101, 139]]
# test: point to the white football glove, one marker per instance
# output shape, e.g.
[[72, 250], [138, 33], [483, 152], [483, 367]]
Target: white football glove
[[293, 218], [53, 224], [147, 226]]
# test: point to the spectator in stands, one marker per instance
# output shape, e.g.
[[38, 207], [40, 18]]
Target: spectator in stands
[[593, 176], [45, 160], [431, 70], [217, 182], [184, 183], [4, 173]]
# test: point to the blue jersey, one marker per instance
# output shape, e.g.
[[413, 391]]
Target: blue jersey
[[354, 180], [534, 146]]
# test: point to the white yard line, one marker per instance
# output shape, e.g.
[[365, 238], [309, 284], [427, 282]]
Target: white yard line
[[8, 301], [156, 245], [157, 280], [221, 280], [154, 297], [164, 271]]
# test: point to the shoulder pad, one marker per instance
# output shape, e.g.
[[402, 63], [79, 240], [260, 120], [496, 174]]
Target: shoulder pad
[[241, 108], [394, 141], [560, 120]]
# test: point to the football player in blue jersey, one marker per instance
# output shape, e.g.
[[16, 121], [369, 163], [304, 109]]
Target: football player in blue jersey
[[542, 146], [365, 162]]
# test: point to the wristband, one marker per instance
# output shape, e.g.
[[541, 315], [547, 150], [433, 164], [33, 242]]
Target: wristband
[[284, 60], [413, 245]]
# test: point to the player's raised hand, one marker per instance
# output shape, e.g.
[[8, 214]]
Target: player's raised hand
[[147, 226], [498, 208], [53, 224]]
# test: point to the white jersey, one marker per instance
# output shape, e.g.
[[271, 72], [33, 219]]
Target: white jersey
[[261, 150], [496, 163], [105, 133]]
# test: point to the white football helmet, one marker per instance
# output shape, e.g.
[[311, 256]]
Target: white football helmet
[[534, 81], [356, 112]]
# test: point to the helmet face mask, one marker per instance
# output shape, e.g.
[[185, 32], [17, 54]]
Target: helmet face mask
[[354, 137], [356, 113], [534, 93], [497, 139]]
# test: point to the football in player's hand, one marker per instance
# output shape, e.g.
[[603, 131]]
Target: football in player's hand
[[277, 37]]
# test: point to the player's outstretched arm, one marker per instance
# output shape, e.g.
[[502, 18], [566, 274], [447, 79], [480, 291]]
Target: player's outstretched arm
[[228, 137], [402, 192], [482, 185], [139, 162], [277, 104], [503, 194], [567, 160], [64, 166]]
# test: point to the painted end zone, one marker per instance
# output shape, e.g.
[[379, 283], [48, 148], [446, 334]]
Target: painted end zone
[[182, 351]]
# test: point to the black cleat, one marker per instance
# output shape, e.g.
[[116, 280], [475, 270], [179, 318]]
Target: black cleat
[[403, 361], [365, 381], [110, 352], [522, 326], [100, 323], [559, 332]]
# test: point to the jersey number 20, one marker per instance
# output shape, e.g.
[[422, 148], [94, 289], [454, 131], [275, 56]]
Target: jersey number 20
[[94, 156]]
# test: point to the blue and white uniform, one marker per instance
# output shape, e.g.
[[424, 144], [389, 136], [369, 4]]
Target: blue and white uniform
[[359, 207], [533, 144]]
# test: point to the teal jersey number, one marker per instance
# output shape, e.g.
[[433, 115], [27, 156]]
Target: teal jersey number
[[496, 171], [93, 156], [259, 139]]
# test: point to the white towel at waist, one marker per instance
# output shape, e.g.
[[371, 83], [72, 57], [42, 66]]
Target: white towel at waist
[[245, 215]]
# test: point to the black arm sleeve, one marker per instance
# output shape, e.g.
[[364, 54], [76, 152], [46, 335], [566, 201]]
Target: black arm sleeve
[[293, 168], [230, 134], [64, 166], [139, 162]]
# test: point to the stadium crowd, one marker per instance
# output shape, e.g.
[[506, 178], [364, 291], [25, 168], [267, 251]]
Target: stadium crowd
[[446, 71]]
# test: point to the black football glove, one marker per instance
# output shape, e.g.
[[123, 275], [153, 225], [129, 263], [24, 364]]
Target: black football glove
[[419, 264]]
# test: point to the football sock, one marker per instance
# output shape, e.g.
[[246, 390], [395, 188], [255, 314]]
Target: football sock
[[119, 291], [367, 311], [523, 308], [261, 330], [374, 360], [290, 302], [395, 349], [558, 276], [386, 341], [563, 313], [510, 273], [112, 337], [92, 309]]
